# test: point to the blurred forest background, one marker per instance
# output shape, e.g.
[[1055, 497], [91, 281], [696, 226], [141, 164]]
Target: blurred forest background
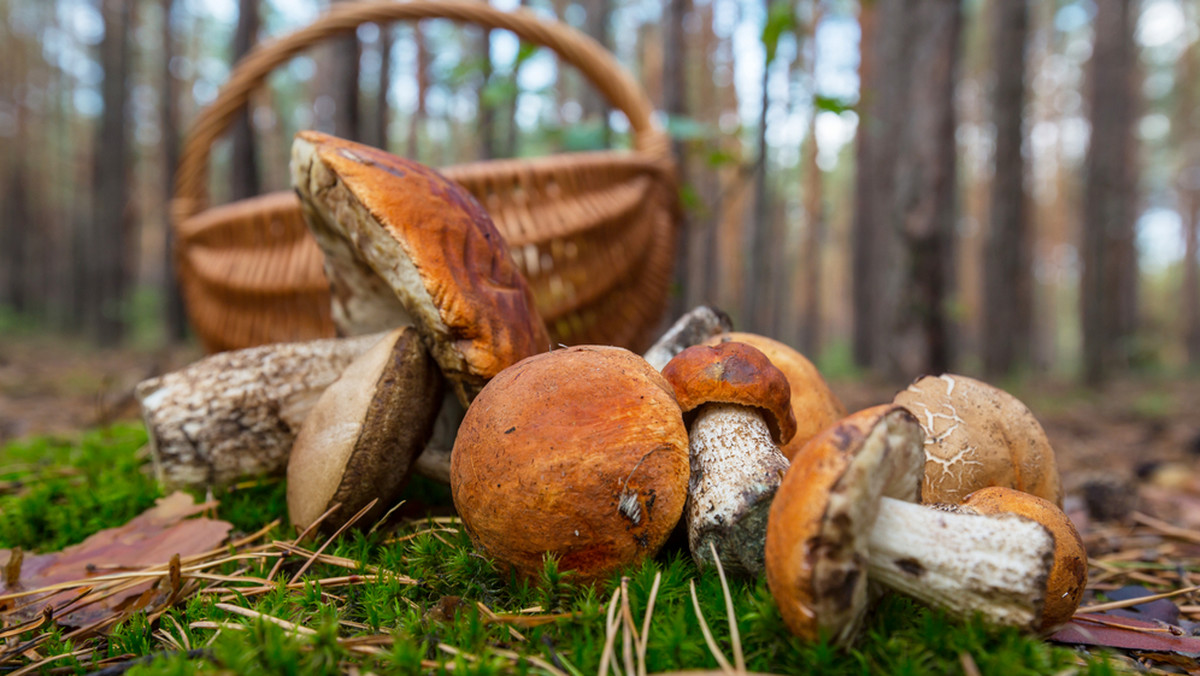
[[892, 186]]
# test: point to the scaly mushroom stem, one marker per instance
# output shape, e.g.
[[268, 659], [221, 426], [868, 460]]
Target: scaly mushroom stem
[[736, 468], [961, 561]]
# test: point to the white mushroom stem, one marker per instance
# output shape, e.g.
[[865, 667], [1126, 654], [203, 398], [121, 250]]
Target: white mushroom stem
[[966, 563], [736, 467]]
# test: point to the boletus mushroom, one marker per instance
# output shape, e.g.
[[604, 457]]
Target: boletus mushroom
[[580, 453], [405, 245], [846, 513], [977, 436], [361, 439], [738, 411], [814, 405], [1068, 576]]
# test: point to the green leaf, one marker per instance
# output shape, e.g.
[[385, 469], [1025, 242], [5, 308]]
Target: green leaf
[[781, 19], [831, 104]]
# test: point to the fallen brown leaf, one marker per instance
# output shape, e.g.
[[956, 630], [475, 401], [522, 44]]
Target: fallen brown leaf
[[150, 539], [1157, 641]]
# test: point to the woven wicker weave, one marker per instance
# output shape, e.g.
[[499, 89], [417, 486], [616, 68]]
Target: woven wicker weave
[[593, 232]]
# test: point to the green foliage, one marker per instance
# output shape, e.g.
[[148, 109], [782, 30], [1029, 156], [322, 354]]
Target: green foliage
[[440, 623], [781, 19]]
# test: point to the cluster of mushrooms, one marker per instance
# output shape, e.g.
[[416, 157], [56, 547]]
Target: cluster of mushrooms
[[596, 455]]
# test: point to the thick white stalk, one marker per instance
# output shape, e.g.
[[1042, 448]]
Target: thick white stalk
[[963, 562], [735, 470]]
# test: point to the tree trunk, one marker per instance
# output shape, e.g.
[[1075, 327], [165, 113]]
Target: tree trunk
[[594, 105], [344, 90], [108, 254], [812, 196], [486, 108], [1007, 306], [417, 122], [925, 192], [759, 294], [1108, 285], [176, 318], [866, 231], [1188, 187], [379, 132], [674, 90], [243, 172]]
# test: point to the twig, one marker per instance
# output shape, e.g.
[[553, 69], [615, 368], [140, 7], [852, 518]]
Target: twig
[[246, 612], [1127, 603]]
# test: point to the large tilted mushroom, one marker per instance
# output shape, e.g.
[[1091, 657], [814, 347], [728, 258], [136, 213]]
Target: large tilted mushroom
[[363, 436], [845, 514], [976, 436], [738, 409], [404, 245], [580, 453]]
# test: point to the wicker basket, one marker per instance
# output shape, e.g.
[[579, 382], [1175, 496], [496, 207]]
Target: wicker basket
[[593, 232]]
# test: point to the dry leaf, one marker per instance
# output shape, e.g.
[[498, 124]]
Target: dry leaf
[[1158, 641], [149, 539]]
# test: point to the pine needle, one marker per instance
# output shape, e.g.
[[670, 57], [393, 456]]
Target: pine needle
[[708, 637], [739, 660]]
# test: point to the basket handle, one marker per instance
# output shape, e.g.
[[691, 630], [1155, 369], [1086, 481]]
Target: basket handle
[[572, 46]]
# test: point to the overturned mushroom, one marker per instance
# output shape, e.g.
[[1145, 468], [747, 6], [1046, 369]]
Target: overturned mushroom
[[845, 513], [579, 453], [404, 245], [696, 326], [362, 438], [976, 436], [738, 409]]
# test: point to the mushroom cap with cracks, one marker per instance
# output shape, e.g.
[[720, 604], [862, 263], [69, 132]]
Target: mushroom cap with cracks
[[814, 405], [405, 245], [977, 436], [580, 453], [361, 438], [733, 373]]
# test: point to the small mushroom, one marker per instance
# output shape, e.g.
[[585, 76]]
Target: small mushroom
[[738, 409], [813, 403], [580, 453], [845, 514], [1068, 577], [404, 245], [976, 436], [361, 438]]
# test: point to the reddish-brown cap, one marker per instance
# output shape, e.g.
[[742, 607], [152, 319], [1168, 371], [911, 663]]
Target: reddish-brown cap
[[1068, 577], [813, 403], [580, 453], [387, 223], [733, 373]]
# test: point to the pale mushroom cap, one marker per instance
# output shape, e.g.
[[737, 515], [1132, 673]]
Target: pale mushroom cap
[[360, 439], [1068, 577], [581, 453], [820, 521], [384, 221], [977, 436], [814, 405]]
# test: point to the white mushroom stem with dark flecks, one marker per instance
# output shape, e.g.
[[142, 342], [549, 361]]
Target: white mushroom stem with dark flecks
[[736, 467]]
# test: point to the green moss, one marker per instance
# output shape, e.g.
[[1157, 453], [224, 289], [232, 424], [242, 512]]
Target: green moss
[[59, 492]]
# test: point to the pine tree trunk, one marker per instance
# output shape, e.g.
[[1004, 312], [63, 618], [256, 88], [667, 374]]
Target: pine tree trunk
[[344, 89], [674, 91], [866, 231], [176, 318], [1109, 281], [486, 109], [1184, 128], [759, 295], [108, 254], [594, 105], [812, 195], [243, 172], [416, 123], [379, 132], [1007, 306]]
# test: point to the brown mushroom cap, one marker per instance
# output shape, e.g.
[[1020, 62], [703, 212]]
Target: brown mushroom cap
[[733, 373], [403, 244], [814, 405], [360, 439], [1068, 577], [819, 524], [580, 453], [976, 436]]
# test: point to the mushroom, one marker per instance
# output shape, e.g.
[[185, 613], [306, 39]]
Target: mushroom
[[361, 438], [1068, 577], [404, 245], [738, 409], [813, 403], [695, 326], [976, 436], [579, 453], [845, 514]]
